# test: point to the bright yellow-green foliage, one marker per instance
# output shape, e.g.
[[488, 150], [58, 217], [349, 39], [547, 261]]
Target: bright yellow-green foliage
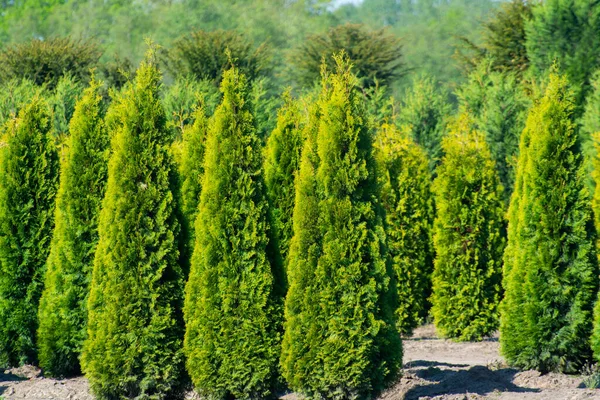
[[468, 237], [83, 173], [234, 295], [282, 161], [550, 265], [28, 184], [408, 202], [191, 173], [340, 339], [134, 345]]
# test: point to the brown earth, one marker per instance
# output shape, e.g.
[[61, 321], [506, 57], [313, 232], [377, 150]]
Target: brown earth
[[434, 369]]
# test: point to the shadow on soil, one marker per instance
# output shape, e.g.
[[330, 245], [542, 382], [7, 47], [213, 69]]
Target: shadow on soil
[[8, 378], [475, 380]]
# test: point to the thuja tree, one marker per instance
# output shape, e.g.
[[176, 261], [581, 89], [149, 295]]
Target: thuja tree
[[425, 110], [234, 294], [83, 172], [408, 202], [340, 338], [550, 264], [191, 171], [282, 161], [134, 338], [28, 185], [468, 237]]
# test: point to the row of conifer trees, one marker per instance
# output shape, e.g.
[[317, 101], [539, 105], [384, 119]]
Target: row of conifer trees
[[247, 269]]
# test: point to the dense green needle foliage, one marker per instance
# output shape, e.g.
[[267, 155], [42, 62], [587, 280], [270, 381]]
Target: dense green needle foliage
[[282, 162], [14, 95], [234, 295], [83, 172], [499, 106], [550, 265], [340, 338], [28, 185], [408, 202], [468, 237], [425, 110], [191, 174], [62, 102], [134, 344]]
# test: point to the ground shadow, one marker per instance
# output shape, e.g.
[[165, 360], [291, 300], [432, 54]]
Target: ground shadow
[[475, 380], [8, 378], [425, 364]]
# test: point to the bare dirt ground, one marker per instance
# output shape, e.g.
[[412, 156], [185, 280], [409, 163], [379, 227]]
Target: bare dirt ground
[[434, 369]]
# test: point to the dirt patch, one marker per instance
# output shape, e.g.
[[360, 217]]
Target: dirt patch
[[434, 369]]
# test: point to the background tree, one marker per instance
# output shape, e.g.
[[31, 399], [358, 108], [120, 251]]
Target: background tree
[[62, 102], [340, 338], [235, 275], [468, 237], [376, 54], [46, 61], [282, 161], [207, 55], [408, 202], [14, 95], [28, 184], [425, 110], [550, 264], [134, 338], [63, 312]]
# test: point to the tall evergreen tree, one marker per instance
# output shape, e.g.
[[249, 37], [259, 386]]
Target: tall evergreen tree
[[83, 173], [135, 323], [408, 201], [282, 161], [468, 237], [340, 339], [191, 171], [28, 184], [234, 295], [550, 264]]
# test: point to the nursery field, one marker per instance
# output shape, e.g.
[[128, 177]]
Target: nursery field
[[434, 369]]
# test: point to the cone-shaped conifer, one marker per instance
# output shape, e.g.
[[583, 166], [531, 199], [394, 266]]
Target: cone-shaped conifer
[[134, 347], [28, 185], [83, 173], [406, 196], [550, 265], [282, 161], [340, 337], [468, 237], [233, 303]]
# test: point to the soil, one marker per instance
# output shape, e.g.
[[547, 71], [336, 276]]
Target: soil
[[434, 369]]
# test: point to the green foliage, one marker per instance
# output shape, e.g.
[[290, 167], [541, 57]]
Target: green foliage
[[207, 55], [134, 338], [233, 303], [46, 61], [376, 54], [14, 95], [550, 264], [408, 202], [499, 107], [191, 172], [566, 32], [468, 237], [340, 339], [62, 102], [282, 161], [83, 171], [117, 72], [424, 110], [28, 184]]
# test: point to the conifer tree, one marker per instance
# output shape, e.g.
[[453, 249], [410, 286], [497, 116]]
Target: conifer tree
[[28, 184], [191, 171], [134, 338], [550, 265], [468, 237], [340, 338], [62, 312], [234, 295], [282, 161], [408, 202]]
